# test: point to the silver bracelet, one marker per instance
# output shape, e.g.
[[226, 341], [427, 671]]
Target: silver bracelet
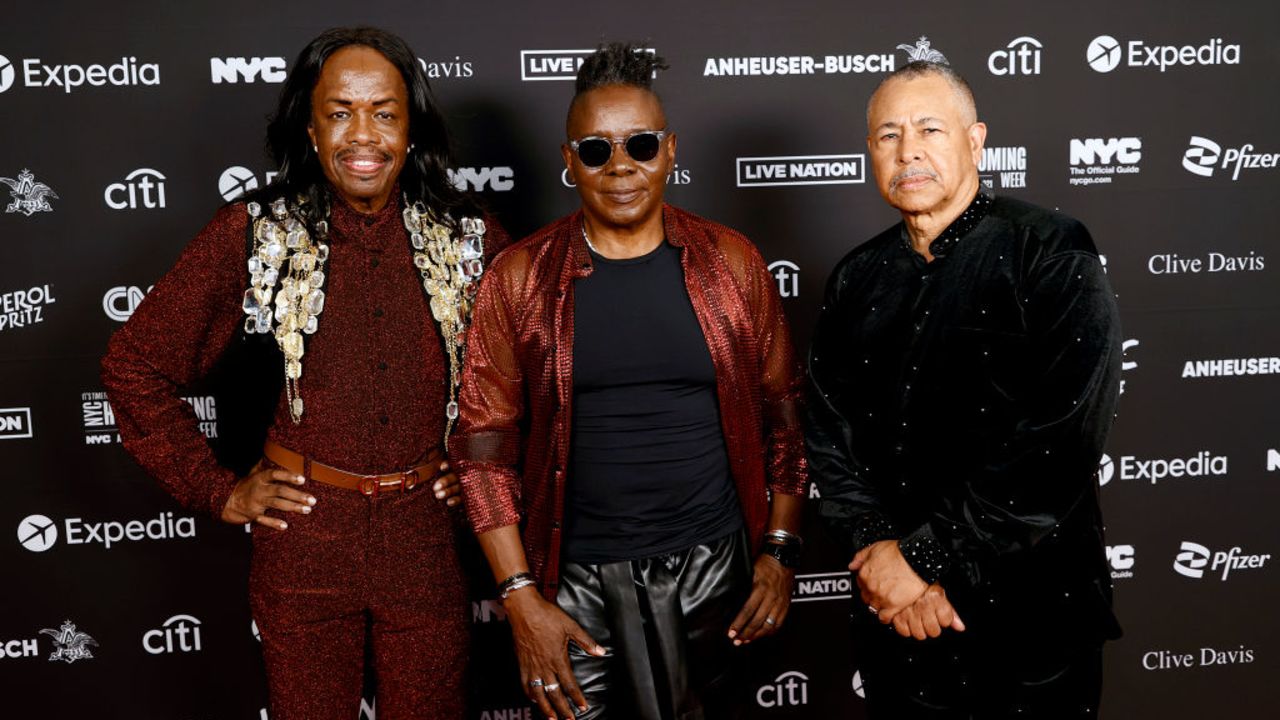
[[784, 537], [511, 587]]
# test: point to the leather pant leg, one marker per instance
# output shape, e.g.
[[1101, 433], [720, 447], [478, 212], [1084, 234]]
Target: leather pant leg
[[664, 621]]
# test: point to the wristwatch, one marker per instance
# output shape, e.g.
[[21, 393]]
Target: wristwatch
[[788, 555]]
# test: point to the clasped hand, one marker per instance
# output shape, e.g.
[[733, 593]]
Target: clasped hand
[[897, 595]]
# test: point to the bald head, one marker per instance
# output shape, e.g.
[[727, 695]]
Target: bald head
[[966, 106]]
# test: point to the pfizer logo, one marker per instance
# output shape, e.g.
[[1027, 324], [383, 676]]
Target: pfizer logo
[[37, 533], [236, 181], [1103, 53]]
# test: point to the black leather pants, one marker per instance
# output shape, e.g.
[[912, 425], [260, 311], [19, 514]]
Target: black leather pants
[[663, 621]]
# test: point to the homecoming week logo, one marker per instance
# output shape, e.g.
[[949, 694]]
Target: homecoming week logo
[[29, 195]]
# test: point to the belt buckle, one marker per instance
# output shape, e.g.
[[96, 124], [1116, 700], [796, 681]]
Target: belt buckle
[[376, 484]]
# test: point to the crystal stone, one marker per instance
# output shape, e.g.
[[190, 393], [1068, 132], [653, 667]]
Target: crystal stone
[[250, 303], [264, 320], [322, 252], [270, 276], [316, 279], [293, 369], [472, 247], [312, 324], [278, 208], [254, 209], [418, 241], [255, 264], [315, 302]]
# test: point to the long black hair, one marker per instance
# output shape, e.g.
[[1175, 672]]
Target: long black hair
[[425, 175]]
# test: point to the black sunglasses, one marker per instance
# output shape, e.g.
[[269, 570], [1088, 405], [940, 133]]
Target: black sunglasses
[[596, 151]]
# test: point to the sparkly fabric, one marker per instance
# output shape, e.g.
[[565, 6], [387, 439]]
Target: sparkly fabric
[[965, 402], [388, 561], [375, 375], [512, 443]]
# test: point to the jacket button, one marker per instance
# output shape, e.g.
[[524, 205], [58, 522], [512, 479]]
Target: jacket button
[[555, 524]]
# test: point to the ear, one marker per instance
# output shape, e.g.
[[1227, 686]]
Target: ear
[[671, 150], [311, 133], [566, 152], [977, 139]]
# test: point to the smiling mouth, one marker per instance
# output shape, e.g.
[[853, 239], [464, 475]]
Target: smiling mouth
[[363, 165]]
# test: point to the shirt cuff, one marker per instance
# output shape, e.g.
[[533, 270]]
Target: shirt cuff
[[925, 554], [870, 527]]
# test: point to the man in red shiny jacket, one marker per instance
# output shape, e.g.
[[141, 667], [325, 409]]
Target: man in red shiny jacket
[[326, 269], [631, 398]]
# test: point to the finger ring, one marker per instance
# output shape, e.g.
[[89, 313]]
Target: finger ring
[[553, 686], [536, 682], [770, 621], [873, 610]]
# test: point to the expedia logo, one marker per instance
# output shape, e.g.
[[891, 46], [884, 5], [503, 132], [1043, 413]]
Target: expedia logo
[[1105, 54], [790, 689], [178, 634], [1021, 57], [479, 179], [555, 64], [15, 423], [247, 70], [1153, 470], [1193, 558], [128, 71], [801, 170], [1106, 470], [787, 274], [142, 189], [237, 180], [1121, 559], [1201, 158], [823, 586], [38, 533], [7, 73]]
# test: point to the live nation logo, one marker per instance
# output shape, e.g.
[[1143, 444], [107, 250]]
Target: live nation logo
[[801, 170], [555, 64], [15, 423], [823, 586]]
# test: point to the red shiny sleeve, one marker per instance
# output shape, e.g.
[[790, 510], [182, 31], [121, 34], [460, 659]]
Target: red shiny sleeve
[[485, 448], [173, 338], [781, 379]]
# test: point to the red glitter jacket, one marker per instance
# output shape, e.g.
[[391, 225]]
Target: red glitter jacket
[[374, 380], [511, 446]]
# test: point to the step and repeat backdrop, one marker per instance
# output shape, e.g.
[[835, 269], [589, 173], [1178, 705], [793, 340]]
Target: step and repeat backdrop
[[124, 126]]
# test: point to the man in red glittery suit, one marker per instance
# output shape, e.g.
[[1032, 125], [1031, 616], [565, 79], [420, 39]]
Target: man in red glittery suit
[[359, 264], [630, 401]]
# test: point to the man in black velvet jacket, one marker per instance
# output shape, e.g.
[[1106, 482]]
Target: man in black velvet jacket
[[965, 372]]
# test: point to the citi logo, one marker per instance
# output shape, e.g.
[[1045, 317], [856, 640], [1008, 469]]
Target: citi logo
[[1126, 365], [1120, 557], [142, 189], [823, 586], [790, 689], [1193, 558], [241, 69], [15, 423], [1105, 54], [479, 179], [1202, 155], [120, 301], [801, 170], [787, 274], [237, 180], [1021, 57], [555, 64], [178, 634]]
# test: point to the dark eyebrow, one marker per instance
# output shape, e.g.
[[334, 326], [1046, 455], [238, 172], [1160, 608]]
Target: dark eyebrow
[[348, 103]]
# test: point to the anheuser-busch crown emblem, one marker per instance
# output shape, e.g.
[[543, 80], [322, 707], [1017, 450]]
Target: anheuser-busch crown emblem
[[922, 51], [69, 644], [29, 196]]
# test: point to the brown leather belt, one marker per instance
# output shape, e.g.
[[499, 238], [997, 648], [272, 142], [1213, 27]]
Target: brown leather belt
[[367, 484]]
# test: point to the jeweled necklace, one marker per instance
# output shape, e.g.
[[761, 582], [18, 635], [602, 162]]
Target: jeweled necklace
[[286, 279]]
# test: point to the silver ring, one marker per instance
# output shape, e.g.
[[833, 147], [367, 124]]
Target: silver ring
[[770, 621], [873, 610], [536, 682], [552, 686]]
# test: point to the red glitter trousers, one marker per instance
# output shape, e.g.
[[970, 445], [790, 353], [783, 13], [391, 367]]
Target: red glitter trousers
[[385, 567]]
